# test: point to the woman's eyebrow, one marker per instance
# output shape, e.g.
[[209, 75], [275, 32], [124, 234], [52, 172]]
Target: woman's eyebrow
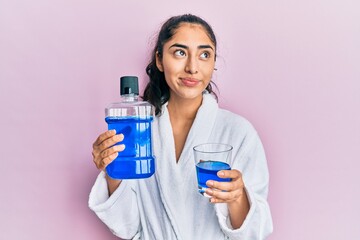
[[205, 46], [179, 45], [186, 47]]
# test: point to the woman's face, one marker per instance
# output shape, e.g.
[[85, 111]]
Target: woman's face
[[188, 61]]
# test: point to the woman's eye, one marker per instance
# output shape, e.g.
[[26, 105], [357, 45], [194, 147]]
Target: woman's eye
[[205, 55], [179, 53]]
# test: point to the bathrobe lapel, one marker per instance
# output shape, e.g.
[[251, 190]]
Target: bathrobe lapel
[[177, 181]]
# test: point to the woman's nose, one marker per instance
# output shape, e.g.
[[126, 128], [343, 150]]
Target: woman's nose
[[191, 66]]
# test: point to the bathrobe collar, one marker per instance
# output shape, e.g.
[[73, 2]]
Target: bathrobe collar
[[172, 176]]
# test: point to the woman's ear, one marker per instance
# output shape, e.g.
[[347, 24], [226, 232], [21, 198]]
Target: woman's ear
[[158, 62]]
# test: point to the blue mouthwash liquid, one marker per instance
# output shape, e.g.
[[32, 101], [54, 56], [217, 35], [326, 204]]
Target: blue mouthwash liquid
[[136, 161], [207, 170]]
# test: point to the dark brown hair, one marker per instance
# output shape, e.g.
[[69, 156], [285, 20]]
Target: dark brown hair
[[157, 91]]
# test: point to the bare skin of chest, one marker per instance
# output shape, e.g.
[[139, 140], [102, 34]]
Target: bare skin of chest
[[180, 131]]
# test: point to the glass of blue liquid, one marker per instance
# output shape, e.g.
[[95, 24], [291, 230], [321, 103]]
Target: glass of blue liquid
[[209, 159]]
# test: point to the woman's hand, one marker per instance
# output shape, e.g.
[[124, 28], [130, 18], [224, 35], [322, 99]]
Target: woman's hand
[[233, 193], [226, 192], [105, 150]]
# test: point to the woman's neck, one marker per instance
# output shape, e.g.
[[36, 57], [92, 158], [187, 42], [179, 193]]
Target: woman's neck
[[182, 113], [185, 109]]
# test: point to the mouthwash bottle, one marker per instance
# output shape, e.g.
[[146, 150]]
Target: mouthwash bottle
[[132, 118]]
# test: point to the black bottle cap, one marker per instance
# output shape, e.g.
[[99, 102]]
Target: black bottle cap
[[129, 85]]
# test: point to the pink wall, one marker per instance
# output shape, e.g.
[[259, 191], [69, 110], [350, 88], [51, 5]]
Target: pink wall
[[291, 67]]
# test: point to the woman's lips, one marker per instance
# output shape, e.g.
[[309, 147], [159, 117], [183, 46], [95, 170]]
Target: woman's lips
[[190, 82]]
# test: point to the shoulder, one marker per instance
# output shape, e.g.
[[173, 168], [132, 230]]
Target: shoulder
[[234, 121], [234, 129]]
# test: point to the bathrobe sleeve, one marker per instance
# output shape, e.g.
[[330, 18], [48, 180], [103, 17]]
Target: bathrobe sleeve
[[250, 159], [119, 211]]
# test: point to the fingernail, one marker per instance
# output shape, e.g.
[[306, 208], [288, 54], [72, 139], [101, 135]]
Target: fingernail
[[119, 137], [221, 173], [120, 147], [210, 183], [209, 191], [113, 131]]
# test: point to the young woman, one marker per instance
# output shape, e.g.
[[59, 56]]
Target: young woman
[[167, 205]]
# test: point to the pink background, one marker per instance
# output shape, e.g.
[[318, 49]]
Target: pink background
[[291, 67]]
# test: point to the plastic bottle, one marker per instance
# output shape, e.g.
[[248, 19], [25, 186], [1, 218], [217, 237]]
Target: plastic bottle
[[133, 118]]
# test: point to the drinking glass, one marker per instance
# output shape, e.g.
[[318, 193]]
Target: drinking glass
[[209, 159]]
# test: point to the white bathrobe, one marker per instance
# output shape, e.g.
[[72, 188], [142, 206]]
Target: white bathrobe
[[168, 206]]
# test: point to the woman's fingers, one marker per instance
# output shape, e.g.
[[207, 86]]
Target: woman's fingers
[[103, 137], [102, 163], [222, 186], [226, 191], [233, 173], [234, 184], [221, 196], [104, 141], [109, 151], [105, 149], [107, 156], [110, 142]]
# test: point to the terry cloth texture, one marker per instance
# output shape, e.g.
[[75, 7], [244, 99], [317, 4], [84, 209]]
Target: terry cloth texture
[[168, 205]]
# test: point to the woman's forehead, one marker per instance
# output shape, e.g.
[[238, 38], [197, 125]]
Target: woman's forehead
[[189, 32]]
